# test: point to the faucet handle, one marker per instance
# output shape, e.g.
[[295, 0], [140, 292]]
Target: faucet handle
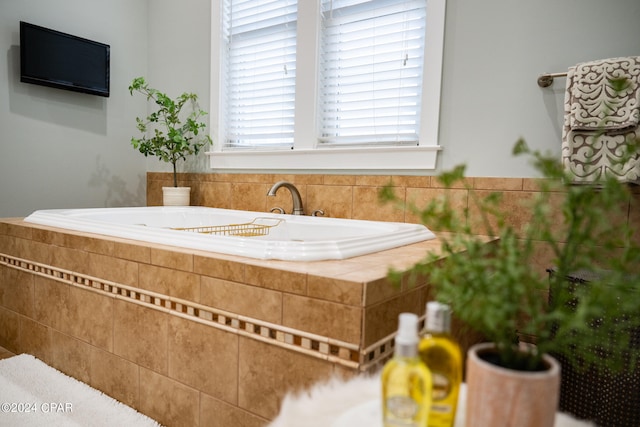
[[317, 212], [277, 209]]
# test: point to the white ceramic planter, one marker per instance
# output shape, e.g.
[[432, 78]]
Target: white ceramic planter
[[498, 396], [176, 196]]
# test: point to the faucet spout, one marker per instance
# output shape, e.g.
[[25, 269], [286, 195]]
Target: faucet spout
[[295, 195]]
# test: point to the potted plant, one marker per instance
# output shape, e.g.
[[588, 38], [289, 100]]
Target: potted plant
[[493, 287], [169, 133]]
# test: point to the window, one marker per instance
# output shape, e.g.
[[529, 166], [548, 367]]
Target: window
[[314, 120], [371, 71], [260, 41]]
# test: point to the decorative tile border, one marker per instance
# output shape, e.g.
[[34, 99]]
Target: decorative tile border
[[329, 349]]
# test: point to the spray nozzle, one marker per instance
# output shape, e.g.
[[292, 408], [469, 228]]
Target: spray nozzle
[[407, 329]]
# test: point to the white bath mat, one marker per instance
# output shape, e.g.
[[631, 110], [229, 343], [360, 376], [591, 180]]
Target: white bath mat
[[35, 394]]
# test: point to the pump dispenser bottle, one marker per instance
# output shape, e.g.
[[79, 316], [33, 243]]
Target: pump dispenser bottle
[[406, 381], [442, 355]]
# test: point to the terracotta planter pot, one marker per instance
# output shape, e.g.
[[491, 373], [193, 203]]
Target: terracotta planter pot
[[176, 196], [503, 397]]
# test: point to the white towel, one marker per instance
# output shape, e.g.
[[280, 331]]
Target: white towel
[[602, 116]]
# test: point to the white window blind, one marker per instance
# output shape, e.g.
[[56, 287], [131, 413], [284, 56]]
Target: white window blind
[[260, 37], [371, 71]]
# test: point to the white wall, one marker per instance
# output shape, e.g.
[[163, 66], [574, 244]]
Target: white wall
[[494, 52], [179, 58], [62, 149], [66, 149]]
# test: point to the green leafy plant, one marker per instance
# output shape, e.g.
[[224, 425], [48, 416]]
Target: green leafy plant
[[174, 135], [493, 287]]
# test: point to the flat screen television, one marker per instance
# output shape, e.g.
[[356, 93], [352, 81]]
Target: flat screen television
[[52, 58]]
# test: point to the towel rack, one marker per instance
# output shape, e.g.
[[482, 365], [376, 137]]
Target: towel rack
[[545, 80]]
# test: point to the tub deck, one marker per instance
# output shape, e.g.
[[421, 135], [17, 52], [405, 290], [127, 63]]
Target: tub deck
[[251, 234]]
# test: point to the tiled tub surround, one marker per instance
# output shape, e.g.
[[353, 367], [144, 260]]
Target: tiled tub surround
[[195, 338]]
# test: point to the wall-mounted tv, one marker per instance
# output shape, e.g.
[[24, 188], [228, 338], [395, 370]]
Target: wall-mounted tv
[[52, 58]]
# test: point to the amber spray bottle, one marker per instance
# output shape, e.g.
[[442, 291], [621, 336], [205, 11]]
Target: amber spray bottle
[[442, 355], [406, 381]]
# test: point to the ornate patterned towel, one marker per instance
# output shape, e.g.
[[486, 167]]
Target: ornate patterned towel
[[602, 114]]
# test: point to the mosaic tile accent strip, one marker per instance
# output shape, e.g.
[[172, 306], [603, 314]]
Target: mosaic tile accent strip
[[325, 348]]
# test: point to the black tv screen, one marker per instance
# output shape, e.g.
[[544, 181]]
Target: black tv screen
[[55, 59]]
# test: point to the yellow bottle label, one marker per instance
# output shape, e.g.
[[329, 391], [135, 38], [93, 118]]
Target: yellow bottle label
[[443, 358], [402, 407]]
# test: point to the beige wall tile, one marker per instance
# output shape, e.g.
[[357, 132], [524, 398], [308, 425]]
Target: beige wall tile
[[267, 373], [382, 319], [176, 283], [154, 191], [335, 201], [380, 290], [498, 184], [52, 303], [263, 178], [252, 301], [9, 329], [87, 243], [113, 269], [278, 280], [138, 329], [216, 194], [336, 290], [204, 357], [71, 356], [115, 376], [339, 180], [373, 180], [91, 317], [132, 251], [215, 267], [411, 181], [7, 243], [367, 205], [30, 249], [70, 259], [48, 236], [514, 205], [249, 196], [421, 197], [17, 291], [516, 208], [324, 318], [167, 401], [34, 339], [464, 183], [216, 413], [16, 229], [175, 259]]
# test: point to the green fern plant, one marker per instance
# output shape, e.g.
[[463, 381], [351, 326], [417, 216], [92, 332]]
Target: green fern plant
[[493, 288]]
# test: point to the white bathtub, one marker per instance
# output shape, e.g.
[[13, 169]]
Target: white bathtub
[[293, 238]]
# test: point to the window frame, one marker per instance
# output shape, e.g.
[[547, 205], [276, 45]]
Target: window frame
[[307, 155]]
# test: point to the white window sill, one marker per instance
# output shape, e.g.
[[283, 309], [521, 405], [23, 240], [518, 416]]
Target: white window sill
[[329, 159]]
